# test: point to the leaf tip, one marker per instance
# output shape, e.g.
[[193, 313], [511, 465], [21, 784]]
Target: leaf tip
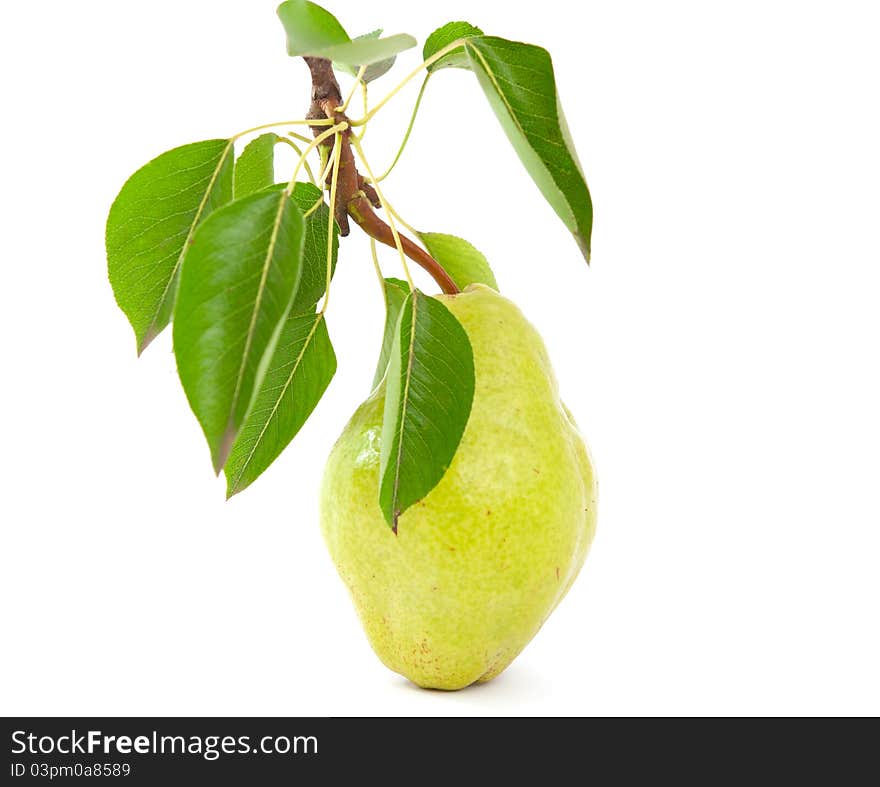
[[236, 484], [224, 448], [151, 333], [584, 245]]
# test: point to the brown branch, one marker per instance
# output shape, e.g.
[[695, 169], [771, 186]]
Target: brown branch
[[362, 212], [355, 197]]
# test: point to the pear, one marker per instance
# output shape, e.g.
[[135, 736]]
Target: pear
[[478, 565]]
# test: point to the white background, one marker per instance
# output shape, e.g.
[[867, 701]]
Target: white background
[[720, 355]]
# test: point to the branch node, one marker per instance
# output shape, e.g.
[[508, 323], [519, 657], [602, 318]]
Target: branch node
[[356, 198]]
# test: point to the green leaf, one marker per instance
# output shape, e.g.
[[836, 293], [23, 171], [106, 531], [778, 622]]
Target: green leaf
[[312, 31], [151, 223], [314, 276], [396, 292], [255, 168], [365, 51], [518, 80], [429, 390], [374, 70], [309, 28], [314, 266], [297, 376], [444, 36], [465, 264], [236, 290]]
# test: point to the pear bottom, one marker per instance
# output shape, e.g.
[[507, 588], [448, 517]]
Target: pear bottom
[[479, 564]]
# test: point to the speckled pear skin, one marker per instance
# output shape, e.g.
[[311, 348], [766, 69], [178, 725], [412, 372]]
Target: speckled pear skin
[[480, 563]]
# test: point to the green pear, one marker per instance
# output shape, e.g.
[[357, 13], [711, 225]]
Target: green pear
[[478, 565]]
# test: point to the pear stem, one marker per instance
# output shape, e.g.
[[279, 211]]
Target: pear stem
[[355, 197]]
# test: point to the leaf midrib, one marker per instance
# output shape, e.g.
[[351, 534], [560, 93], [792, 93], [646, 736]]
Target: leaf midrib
[[491, 74], [395, 489], [192, 228], [296, 365], [510, 110], [270, 252]]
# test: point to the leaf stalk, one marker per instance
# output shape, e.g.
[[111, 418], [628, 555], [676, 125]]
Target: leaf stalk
[[356, 198]]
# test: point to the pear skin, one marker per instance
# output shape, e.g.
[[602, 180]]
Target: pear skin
[[479, 564]]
